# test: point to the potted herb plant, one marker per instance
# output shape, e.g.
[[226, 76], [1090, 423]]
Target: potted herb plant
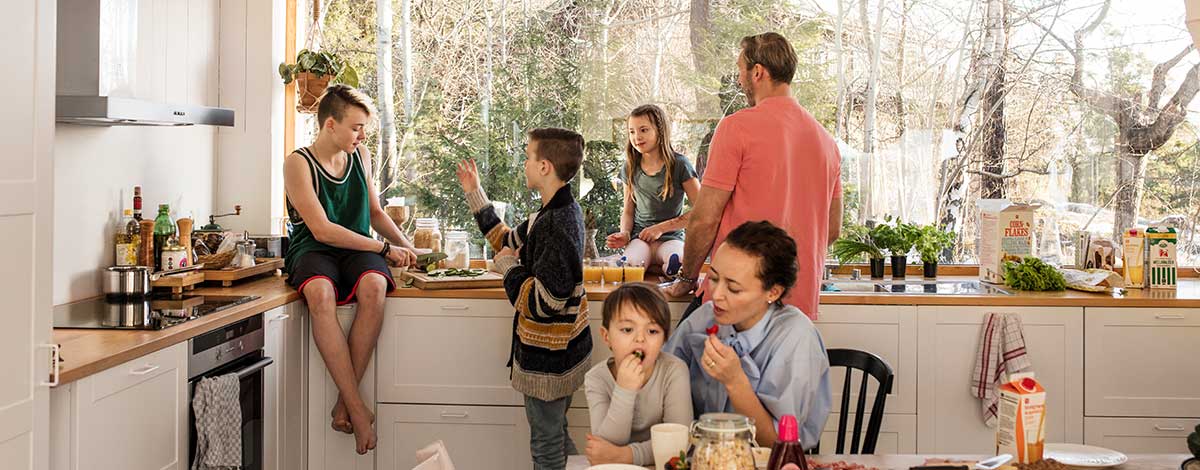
[[898, 238], [858, 241], [313, 71], [931, 242]]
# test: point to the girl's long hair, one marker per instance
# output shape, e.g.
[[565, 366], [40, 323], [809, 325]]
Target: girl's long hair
[[633, 158]]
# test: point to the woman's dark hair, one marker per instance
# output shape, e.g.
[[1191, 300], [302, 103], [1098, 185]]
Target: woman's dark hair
[[775, 250], [642, 296]]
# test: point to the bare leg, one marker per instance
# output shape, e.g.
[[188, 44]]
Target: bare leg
[[664, 249], [364, 335], [331, 342], [637, 252]]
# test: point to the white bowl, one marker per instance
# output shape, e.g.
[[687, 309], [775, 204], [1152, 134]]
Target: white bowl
[[615, 466]]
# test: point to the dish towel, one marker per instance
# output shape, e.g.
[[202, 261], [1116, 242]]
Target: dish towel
[[434, 457], [218, 423], [1001, 351]]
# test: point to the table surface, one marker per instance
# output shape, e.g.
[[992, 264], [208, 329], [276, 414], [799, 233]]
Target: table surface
[[903, 462]]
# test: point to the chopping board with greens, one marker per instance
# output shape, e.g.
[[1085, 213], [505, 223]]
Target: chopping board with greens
[[453, 279]]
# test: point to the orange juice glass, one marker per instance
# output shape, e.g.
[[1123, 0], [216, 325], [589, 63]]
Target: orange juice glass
[[612, 274], [635, 273], [593, 273]]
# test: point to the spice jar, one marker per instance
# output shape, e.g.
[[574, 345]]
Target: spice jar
[[458, 250], [723, 441], [173, 256], [428, 235]]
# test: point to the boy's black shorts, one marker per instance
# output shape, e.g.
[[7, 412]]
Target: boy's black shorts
[[343, 268]]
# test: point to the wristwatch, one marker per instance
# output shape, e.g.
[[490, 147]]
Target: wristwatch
[[386, 247]]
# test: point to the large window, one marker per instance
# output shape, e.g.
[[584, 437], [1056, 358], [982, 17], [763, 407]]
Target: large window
[[1083, 106]]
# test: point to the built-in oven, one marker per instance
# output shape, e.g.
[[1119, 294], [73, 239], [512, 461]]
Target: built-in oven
[[232, 349]]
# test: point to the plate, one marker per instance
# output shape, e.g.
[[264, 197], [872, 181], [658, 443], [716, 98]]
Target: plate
[[1077, 455], [615, 466]]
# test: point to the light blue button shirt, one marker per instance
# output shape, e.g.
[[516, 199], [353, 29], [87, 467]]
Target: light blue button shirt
[[783, 357]]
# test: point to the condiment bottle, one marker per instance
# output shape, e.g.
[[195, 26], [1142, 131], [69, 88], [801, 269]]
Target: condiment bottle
[[163, 229], [146, 258], [787, 448], [127, 241]]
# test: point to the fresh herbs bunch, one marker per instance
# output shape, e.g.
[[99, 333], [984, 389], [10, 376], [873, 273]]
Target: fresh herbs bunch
[[1033, 274], [896, 236]]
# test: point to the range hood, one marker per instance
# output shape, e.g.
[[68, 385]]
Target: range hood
[[103, 75]]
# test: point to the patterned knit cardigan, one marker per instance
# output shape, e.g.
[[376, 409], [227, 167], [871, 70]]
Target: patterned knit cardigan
[[551, 344]]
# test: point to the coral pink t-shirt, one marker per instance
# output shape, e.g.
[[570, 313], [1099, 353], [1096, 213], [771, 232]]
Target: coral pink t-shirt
[[783, 167]]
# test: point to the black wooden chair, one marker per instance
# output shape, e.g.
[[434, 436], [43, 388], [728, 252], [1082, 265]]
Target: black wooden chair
[[872, 366]]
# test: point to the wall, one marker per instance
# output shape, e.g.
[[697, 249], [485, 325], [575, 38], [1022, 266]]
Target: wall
[[95, 168]]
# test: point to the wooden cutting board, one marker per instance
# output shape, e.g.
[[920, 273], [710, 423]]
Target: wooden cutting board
[[425, 281]]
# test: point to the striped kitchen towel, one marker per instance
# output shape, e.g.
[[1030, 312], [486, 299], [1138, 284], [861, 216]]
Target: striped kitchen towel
[[218, 423], [1001, 351]]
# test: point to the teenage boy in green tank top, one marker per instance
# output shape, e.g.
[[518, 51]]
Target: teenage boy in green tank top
[[332, 258]]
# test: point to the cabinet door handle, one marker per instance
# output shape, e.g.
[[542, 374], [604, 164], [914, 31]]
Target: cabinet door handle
[[447, 414], [145, 370], [455, 307], [280, 317], [56, 368], [1166, 428], [1169, 316]]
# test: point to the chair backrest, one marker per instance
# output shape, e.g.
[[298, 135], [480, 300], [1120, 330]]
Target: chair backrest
[[871, 366]]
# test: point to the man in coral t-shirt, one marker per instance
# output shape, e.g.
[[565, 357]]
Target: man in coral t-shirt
[[772, 161]]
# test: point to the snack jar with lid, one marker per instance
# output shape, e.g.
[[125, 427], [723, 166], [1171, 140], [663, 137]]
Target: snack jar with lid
[[458, 250], [723, 441], [428, 235]]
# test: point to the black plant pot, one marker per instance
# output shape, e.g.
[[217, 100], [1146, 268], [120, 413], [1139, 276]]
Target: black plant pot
[[930, 270], [899, 264], [876, 268]]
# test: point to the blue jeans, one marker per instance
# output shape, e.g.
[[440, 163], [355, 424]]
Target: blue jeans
[[549, 443]]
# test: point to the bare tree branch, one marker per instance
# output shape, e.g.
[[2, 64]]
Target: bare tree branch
[[1159, 81]]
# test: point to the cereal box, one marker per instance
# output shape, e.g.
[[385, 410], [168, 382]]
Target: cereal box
[[1005, 234]]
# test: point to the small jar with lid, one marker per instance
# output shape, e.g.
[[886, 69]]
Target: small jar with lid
[[428, 235], [174, 256], [458, 250], [723, 441]]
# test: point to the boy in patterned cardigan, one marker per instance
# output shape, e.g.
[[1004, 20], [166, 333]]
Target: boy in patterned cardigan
[[542, 264]]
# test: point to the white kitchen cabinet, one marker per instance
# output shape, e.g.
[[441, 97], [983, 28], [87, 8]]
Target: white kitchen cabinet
[[176, 44], [475, 436], [329, 449], [1141, 362], [949, 419], [132, 416], [284, 391], [1140, 435], [885, 330]]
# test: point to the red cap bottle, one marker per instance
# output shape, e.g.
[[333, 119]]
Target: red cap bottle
[[787, 449]]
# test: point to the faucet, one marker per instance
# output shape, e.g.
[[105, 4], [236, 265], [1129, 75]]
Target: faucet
[[828, 274]]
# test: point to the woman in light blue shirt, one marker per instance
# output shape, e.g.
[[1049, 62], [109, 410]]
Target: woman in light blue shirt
[[764, 359]]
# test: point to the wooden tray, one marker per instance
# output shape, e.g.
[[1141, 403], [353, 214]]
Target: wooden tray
[[228, 275], [424, 281], [179, 282]]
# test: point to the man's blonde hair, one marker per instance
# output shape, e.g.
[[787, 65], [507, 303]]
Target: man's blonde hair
[[337, 98]]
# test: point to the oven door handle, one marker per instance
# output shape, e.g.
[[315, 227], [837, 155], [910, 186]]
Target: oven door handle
[[252, 368]]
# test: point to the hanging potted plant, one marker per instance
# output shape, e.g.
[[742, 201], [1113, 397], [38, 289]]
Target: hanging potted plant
[[931, 242], [898, 238], [857, 242], [313, 71]]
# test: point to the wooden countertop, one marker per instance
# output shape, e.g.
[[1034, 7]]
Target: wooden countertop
[[1186, 295], [88, 351]]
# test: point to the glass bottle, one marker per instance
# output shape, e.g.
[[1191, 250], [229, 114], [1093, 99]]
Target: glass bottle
[[163, 230], [458, 250], [787, 448], [428, 235], [126, 241], [724, 441]]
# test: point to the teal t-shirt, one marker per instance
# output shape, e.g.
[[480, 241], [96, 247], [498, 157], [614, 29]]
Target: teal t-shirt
[[649, 206]]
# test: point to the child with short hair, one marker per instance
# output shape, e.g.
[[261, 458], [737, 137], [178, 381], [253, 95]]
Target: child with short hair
[[639, 387], [542, 263]]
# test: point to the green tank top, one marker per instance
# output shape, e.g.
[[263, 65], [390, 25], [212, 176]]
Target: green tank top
[[345, 201]]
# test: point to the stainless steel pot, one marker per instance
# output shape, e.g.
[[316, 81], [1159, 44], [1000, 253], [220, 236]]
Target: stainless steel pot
[[126, 282]]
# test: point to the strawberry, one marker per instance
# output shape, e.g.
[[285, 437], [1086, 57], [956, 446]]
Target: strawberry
[[712, 330]]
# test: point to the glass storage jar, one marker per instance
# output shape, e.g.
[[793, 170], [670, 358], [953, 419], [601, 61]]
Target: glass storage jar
[[427, 235], [458, 250], [723, 441]]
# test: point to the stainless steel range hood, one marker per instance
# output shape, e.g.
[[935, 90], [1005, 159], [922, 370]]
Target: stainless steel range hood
[[100, 79]]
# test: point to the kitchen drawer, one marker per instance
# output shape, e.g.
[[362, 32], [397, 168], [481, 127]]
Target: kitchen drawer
[[887, 331], [1141, 362], [135, 372], [1140, 435], [475, 436], [451, 308]]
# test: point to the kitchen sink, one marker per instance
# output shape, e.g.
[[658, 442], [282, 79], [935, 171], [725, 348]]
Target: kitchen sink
[[916, 286]]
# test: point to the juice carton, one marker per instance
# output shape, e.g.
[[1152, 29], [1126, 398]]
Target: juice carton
[[1005, 234], [1161, 262], [1021, 418], [1135, 257]]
